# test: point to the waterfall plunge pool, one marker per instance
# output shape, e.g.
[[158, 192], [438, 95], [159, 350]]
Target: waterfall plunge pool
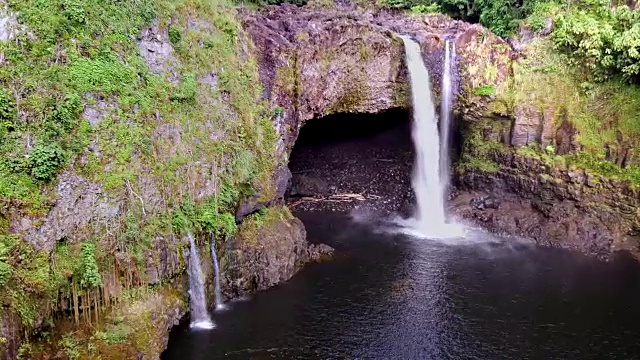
[[387, 296], [391, 296]]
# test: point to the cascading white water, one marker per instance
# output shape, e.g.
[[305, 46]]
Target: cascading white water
[[445, 115], [429, 220], [216, 272], [200, 318]]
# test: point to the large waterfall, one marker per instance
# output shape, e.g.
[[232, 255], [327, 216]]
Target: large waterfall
[[446, 96], [429, 181], [198, 301], [216, 273]]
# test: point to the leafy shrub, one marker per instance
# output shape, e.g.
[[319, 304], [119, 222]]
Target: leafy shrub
[[114, 334], [103, 75], [70, 347], [74, 11], [426, 9], [484, 90], [46, 160], [5, 267], [186, 91], [501, 16], [540, 13], [606, 41], [7, 109], [174, 35], [90, 272], [65, 116]]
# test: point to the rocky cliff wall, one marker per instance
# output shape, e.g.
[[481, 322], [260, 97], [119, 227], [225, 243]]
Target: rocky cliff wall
[[319, 61], [547, 159], [165, 134], [519, 106]]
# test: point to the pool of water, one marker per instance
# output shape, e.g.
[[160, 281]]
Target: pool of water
[[389, 296]]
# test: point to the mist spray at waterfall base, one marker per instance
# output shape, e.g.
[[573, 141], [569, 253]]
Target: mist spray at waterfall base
[[200, 318], [430, 177]]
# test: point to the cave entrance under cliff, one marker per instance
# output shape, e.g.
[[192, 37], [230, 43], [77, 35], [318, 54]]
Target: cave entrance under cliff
[[345, 161]]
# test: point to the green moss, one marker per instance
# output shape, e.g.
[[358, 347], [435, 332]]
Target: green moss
[[478, 151], [262, 221], [353, 96], [604, 114], [479, 164], [402, 95], [85, 52], [484, 90]]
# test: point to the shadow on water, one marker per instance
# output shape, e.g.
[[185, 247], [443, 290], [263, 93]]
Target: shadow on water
[[388, 296]]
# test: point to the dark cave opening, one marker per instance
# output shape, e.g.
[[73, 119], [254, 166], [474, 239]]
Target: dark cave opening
[[343, 161]]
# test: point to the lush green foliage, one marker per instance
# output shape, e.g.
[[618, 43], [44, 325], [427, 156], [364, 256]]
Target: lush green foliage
[[501, 16], [604, 39], [82, 55], [90, 271], [426, 9], [484, 90], [46, 160]]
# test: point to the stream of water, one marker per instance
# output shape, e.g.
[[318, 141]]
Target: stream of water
[[446, 102], [216, 273], [429, 183], [200, 318]]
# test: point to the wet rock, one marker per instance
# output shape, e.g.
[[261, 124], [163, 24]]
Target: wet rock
[[526, 125], [565, 138], [156, 49], [561, 208], [485, 202], [267, 253], [95, 111], [320, 252], [266, 194], [80, 202], [304, 185]]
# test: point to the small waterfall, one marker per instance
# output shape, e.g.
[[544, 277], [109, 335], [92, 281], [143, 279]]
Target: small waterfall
[[445, 115], [216, 270], [200, 318], [429, 220]]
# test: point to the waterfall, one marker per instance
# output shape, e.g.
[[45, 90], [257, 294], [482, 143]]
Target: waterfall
[[445, 115], [216, 271], [428, 179], [198, 301]]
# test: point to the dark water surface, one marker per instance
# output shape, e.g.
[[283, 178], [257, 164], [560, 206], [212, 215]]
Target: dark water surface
[[392, 297]]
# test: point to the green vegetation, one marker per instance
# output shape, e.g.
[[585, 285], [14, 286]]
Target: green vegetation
[[501, 16], [604, 39], [604, 114], [426, 9], [262, 222], [478, 152], [174, 133], [484, 90]]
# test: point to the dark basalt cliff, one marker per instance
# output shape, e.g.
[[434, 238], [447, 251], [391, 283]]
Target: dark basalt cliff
[[315, 61]]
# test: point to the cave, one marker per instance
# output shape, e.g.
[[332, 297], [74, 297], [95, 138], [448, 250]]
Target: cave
[[345, 161]]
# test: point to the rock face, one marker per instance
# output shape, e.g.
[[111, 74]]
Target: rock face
[[554, 207], [315, 62], [268, 251]]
